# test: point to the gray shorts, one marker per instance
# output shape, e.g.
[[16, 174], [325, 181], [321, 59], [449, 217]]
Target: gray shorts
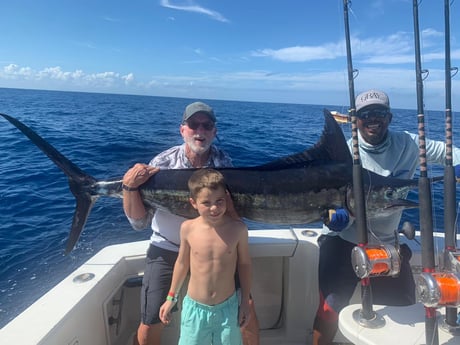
[[156, 283]]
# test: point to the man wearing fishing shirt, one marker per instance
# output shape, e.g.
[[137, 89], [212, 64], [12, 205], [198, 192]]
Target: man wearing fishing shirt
[[386, 153], [198, 130]]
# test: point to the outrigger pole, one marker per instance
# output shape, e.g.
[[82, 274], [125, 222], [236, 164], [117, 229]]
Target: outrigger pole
[[449, 175], [425, 202], [366, 315]]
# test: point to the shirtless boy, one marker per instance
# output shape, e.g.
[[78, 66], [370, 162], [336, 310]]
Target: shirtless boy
[[213, 247]]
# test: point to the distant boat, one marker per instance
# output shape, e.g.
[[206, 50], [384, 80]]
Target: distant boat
[[339, 117]]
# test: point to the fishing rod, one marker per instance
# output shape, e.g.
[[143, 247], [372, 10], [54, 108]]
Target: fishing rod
[[367, 316], [425, 202], [449, 176]]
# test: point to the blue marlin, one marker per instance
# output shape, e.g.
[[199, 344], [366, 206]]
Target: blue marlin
[[296, 189]]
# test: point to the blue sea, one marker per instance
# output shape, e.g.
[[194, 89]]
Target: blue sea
[[105, 134]]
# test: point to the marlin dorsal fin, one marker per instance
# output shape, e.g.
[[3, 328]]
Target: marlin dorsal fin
[[331, 146]]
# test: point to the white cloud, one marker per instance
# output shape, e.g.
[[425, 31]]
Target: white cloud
[[58, 74], [191, 7], [13, 71], [301, 54], [129, 78], [71, 78], [394, 49]]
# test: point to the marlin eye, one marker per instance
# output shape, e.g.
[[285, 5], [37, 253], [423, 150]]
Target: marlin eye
[[389, 193]]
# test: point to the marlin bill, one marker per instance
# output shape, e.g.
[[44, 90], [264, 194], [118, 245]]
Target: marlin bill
[[296, 189]]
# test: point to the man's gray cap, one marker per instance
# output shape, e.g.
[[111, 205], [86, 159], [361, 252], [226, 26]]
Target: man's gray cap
[[198, 107]]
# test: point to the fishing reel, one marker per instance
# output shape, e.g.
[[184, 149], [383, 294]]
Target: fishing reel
[[375, 261], [439, 289], [381, 260]]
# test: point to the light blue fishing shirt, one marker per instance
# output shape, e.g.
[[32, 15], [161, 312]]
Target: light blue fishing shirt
[[397, 156]]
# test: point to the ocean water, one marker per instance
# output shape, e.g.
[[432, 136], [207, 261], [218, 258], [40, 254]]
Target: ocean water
[[105, 135]]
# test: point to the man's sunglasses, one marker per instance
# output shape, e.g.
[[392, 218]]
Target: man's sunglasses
[[208, 125], [379, 113]]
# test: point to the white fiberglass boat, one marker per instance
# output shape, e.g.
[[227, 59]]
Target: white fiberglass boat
[[98, 304]]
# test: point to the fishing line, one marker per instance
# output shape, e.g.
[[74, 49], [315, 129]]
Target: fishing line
[[368, 195], [456, 219]]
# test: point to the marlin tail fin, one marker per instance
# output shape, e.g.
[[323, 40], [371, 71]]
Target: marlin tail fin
[[80, 182]]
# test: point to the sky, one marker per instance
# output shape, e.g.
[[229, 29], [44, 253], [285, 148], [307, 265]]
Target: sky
[[283, 51]]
